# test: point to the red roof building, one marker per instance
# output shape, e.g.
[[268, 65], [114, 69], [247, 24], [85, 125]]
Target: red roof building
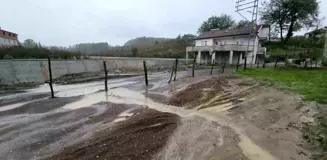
[[8, 39]]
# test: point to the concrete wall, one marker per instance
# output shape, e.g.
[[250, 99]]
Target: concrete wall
[[19, 71]]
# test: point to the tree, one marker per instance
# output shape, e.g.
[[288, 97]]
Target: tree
[[40, 46], [223, 21], [290, 15], [134, 51], [30, 43], [243, 23], [188, 37]]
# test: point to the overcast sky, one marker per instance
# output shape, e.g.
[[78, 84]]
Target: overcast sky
[[67, 22]]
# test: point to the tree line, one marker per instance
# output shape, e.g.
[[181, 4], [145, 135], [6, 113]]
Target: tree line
[[284, 16]]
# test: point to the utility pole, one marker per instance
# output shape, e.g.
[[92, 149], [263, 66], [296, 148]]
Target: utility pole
[[252, 7]]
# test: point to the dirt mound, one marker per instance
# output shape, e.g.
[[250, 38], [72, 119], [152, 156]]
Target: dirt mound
[[199, 92], [138, 137]]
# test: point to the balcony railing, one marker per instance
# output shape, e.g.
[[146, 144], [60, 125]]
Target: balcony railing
[[227, 47]]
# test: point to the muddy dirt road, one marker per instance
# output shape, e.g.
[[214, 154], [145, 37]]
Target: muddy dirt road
[[205, 117]]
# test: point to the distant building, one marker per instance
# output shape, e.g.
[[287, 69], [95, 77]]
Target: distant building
[[229, 45], [8, 39]]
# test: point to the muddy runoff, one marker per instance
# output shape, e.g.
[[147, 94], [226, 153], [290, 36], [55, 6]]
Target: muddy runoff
[[121, 124]]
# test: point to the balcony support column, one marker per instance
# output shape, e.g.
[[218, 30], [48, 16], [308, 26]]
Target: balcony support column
[[231, 57]]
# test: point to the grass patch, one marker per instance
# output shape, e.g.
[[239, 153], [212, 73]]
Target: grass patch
[[312, 84]]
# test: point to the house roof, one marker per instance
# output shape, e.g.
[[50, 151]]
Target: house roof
[[229, 32], [8, 32]]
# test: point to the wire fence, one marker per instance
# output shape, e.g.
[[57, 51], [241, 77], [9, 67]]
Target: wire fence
[[170, 70]]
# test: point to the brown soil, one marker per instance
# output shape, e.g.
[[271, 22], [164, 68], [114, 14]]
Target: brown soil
[[266, 115], [139, 137], [198, 93]]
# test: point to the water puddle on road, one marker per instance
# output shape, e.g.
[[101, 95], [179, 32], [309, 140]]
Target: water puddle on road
[[126, 96]]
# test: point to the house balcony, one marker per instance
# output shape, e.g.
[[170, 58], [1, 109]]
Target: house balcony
[[227, 47]]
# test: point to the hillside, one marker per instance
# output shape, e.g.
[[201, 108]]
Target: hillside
[[166, 48], [145, 41]]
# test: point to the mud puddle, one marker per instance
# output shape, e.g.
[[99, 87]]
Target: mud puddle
[[126, 96]]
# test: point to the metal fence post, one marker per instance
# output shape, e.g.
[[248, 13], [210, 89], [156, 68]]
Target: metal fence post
[[223, 69], [264, 63], [145, 73], [50, 76], [193, 65], [238, 63], [176, 64], [105, 75], [212, 67], [171, 74], [245, 58]]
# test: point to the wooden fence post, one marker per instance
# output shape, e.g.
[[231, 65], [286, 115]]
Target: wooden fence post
[[105, 75], [145, 73], [193, 65], [176, 64], [50, 76]]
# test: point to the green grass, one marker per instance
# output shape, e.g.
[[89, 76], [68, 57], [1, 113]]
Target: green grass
[[312, 84]]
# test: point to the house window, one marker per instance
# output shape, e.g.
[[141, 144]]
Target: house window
[[4, 33], [9, 34], [240, 42], [221, 43], [216, 42]]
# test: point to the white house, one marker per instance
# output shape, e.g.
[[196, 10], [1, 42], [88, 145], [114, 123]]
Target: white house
[[220, 46]]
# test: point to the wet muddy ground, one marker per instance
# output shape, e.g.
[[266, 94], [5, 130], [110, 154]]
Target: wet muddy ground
[[206, 117]]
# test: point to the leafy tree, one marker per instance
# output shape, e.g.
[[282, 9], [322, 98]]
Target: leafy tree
[[188, 37], [30, 43], [290, 15], [178, 38], [243, 23], [223, 21], [134, 51]]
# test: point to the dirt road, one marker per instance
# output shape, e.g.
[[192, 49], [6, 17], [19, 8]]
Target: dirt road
[[193, 118]]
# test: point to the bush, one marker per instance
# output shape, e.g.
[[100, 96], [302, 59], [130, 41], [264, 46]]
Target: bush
[[8, 57]]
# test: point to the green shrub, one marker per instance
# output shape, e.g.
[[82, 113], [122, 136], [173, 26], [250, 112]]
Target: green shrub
[[8, 57]]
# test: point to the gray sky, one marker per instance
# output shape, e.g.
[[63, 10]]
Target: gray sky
[[67, 22]]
